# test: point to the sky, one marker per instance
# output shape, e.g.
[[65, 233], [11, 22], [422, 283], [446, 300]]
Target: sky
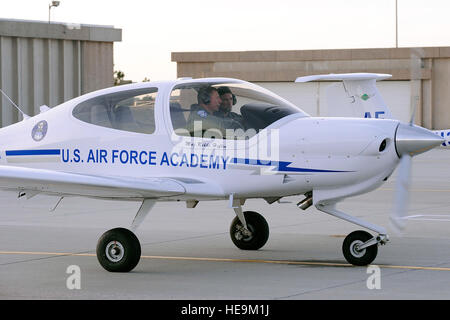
[[151, 30]]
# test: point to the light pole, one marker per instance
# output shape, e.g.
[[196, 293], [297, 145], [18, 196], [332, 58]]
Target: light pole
[[396, 23], [53, 4]]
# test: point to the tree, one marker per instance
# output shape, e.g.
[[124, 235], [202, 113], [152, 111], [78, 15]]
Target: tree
[[118, 77]]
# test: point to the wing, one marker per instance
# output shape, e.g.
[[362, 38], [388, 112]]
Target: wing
[[63, 183], [357, 95]]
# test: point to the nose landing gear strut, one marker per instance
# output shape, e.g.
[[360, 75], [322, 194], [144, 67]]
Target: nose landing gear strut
[[360, 248]]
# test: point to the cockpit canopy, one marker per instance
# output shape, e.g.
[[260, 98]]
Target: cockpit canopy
[[250, 109], [253, 108]]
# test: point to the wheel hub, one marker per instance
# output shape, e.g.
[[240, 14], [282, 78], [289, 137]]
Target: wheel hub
[[243, 234], [114, 251], [354, 249]]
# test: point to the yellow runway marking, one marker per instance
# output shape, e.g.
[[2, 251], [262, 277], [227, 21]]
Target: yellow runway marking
[[287, 262], [40, 253], [417, 190]]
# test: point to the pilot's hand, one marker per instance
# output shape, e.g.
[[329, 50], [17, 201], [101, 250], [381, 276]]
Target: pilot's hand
[[234, 125]]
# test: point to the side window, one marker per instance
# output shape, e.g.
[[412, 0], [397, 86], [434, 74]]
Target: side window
[[189, 118], [183, 102], [225, 110], [131, 110]]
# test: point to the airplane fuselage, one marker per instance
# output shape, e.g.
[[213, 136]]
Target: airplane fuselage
[[295, 155]]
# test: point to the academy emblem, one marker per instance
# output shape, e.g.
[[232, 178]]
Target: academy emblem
[[202, 113], [39, 130]]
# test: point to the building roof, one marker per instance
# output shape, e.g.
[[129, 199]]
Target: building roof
[[59, 30]]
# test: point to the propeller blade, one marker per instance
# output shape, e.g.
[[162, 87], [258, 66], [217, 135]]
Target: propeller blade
[[400, 208], [413, 115]]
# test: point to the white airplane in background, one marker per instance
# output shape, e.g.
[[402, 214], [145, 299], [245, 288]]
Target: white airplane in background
[[137, 142], [354, 97], [445, 134]]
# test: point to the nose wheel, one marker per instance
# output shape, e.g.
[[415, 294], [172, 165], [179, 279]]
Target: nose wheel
[[118, 250], [355, 248], [256, 234]]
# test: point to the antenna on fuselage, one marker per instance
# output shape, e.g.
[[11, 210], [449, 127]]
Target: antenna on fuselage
[[24, 115]]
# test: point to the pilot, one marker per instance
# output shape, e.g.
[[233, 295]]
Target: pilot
[[228, 101], [203, 117]]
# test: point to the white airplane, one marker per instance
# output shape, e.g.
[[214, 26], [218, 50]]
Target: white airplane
[[161, 141]]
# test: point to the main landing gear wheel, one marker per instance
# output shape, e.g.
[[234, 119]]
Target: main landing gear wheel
[[118, 250], [355, 256], [255, 237]]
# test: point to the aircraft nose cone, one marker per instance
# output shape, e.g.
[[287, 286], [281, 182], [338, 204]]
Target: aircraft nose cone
[[414, 140]]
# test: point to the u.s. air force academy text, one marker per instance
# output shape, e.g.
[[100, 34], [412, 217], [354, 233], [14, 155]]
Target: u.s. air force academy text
[[145, 157]]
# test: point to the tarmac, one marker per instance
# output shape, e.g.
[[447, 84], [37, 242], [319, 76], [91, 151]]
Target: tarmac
[[188, 254]]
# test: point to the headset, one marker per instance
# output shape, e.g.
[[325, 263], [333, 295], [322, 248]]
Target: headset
[[204, 95], [224, 90]]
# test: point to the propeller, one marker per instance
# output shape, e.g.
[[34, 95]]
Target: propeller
[[401, 199], [410, 140]]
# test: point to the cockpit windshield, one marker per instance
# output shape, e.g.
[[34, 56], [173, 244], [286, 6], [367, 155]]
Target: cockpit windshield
[[225, 109]]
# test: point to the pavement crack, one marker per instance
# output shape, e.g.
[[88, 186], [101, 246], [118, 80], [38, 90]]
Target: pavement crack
[[182, 239], [44, 258], [342, 285]]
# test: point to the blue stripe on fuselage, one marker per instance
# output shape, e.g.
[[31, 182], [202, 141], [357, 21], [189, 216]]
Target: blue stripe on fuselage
[[280, 165], [41, 152]]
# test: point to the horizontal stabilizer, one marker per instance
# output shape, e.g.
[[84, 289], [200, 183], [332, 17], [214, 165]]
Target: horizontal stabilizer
[[344, 77]]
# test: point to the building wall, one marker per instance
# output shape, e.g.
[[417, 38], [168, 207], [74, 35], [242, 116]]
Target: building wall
[[441, 93], [311, 97], [47, 64], [420, 76], [98, 66]]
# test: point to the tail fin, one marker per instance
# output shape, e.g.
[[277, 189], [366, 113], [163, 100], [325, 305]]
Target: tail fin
[[360, 96]]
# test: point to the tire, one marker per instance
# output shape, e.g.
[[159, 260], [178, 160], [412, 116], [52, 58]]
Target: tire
[[363, 257], [118, 250], [258, 227]]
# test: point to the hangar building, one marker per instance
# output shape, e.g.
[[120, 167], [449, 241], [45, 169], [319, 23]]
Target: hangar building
[[45, 63], [420, 76]]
